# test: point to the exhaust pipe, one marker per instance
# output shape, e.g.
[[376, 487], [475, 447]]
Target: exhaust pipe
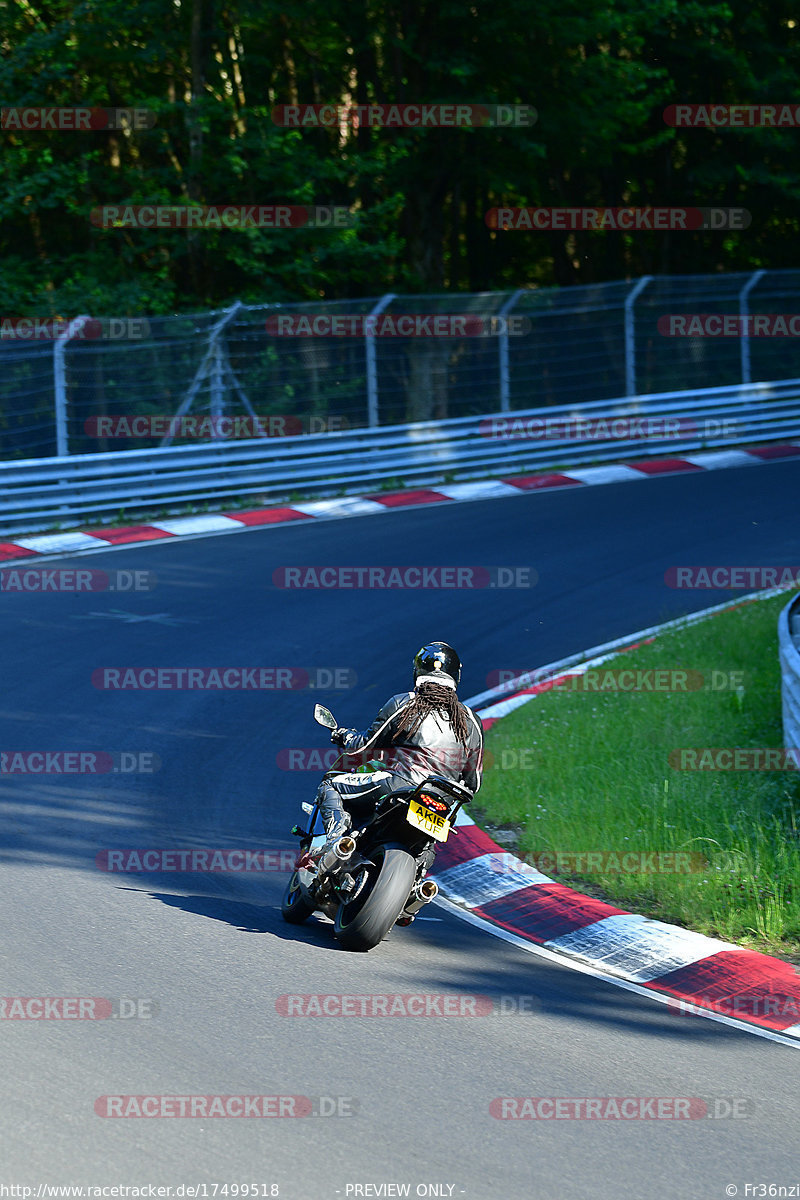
[[424, 891], [339, 853]]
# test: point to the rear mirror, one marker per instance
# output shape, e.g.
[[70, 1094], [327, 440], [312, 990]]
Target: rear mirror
[[324, 716]]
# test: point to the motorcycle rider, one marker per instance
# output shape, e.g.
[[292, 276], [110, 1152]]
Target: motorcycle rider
[[427, 731]]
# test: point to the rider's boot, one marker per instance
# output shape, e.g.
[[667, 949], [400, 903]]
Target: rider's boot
[[335, 819]]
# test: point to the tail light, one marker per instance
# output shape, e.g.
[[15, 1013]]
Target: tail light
[[431, 801]]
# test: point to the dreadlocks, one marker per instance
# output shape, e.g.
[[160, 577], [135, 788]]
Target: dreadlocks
[[430, 698]]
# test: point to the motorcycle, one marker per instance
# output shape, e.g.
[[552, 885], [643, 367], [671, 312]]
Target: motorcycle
[[370, 879]]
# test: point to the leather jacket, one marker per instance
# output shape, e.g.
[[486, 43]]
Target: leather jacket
[[431, 750]]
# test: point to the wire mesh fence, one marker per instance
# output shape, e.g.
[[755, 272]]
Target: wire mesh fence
[[94, 385]]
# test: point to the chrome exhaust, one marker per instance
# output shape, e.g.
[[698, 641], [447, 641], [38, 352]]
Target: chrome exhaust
[[340, 853], [424, 891]]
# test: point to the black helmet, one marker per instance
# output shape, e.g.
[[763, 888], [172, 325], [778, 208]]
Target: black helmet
[[437, 658]]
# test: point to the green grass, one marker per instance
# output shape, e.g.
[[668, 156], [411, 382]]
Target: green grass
[[597, 778]]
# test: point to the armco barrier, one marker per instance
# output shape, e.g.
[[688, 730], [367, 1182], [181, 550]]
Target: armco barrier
[[789, 650], [41, 493]]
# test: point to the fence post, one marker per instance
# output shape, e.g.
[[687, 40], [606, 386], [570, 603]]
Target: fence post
[[744, 310], [630, 335], [372, 373], [60, 383], [214, 372], [502, 350], [217, 390]]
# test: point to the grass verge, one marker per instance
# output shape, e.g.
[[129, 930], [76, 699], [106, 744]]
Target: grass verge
[[579, 772]]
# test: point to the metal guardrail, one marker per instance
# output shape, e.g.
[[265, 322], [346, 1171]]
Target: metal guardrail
[[38, 494], [789, 651]]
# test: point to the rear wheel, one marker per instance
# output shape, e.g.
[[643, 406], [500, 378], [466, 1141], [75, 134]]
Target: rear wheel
[[295, 908], [381, 891]]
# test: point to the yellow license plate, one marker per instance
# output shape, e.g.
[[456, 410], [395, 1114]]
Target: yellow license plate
[[430, 822]]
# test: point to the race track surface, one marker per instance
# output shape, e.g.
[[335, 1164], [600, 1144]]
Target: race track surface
[[208, 956]]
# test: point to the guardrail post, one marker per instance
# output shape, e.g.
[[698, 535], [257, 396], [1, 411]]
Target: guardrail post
[[60, 383], [744, 310], [372, 373], [630, 335], [502, 350]]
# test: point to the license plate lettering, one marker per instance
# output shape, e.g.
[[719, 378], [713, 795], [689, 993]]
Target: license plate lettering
[[431, 823]]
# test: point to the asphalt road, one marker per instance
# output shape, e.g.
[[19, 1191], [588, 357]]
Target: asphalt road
[[206, 956]]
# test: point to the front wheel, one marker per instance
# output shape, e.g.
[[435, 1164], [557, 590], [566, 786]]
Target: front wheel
[[364, 922], [295, 908]]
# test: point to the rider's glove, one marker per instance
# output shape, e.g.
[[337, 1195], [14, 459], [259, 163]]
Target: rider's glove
[[337, 736]]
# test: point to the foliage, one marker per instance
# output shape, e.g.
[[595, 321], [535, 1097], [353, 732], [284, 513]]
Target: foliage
[[599, 75]]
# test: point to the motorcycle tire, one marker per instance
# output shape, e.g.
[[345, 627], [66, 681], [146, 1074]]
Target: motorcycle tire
[[294, 907], [365, 921]]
